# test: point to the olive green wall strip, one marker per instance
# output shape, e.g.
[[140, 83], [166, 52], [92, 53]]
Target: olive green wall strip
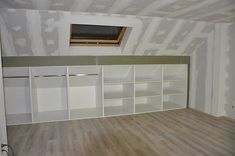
[[91, 60], [47, 61], [106, 60]]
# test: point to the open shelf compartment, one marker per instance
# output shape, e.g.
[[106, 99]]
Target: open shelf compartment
[[175, 72], [16, 84], [117, 107], [118, 91], [85, 92], [118, 74], [148, 89], [148, 104], [49, 94], [174, 88], [172, 102], [148, 73]]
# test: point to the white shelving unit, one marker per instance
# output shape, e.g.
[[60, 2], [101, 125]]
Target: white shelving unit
[[172, 102], [57, 93], [118, 90], [17, 95], [148, 73], [174, 87], [85, 92], [118, 74], [116, 107], [148, 104], [148, 88], [49, 94], [175, 72]]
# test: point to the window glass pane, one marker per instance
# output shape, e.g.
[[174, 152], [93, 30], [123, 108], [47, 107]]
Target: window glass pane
[[95, 32]]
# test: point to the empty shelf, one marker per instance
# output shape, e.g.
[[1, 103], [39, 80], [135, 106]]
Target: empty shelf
[[171, 106], [173, 78], [59, 115], [146, 79], [15, 119], [117, 95], [172, 92], [146, 93], [147, 107], [85, 113], [117, 81]]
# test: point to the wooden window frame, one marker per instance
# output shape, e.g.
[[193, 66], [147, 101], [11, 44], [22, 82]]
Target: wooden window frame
[[95, 42]]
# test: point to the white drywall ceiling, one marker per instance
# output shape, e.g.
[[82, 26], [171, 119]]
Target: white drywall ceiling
[[219, 11], [46, 33]]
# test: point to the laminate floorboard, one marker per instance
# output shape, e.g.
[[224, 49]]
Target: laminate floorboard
[[184, 132]]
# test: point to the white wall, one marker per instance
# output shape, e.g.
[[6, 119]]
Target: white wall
[[201, 77], [3, 135], [229, 72], [222, 72]]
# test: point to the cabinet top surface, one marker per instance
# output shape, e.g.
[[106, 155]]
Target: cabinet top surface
[[91, 60]]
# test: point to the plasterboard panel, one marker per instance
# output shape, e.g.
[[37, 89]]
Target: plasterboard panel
[[46, 33], [180, 9]]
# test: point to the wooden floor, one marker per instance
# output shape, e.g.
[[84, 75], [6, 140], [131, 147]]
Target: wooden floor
[[176, 133]]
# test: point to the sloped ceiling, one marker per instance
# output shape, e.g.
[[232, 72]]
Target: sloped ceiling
[[32, 32], [203, 10]]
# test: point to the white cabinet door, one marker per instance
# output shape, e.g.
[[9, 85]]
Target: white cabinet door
[[3, 134]]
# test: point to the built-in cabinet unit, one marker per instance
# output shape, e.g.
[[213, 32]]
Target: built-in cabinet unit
[[49, 94], [174, 86], [85, 92], [118, 90], [17, 95], [148, 88], [58, 93]]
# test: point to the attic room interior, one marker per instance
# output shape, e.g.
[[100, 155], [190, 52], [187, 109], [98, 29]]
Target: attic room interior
[[117, 77]]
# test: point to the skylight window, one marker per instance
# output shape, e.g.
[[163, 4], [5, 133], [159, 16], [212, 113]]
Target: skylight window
[[96, 35]]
